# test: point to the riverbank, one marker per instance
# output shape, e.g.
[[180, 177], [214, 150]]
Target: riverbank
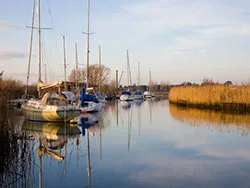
[[217, 97]]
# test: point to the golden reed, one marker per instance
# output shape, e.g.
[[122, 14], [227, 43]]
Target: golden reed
[[215, 120], [217, 96]]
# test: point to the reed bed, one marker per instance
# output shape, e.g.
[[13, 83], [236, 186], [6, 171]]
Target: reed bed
[[13, 145], [217, 96], [214, 120]]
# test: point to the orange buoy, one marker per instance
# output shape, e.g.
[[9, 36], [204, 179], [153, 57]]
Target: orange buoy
[[84, 111]]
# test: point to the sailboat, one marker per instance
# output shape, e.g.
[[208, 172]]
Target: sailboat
[[126, 95], [138, 94], [148, 94], [89, 101], [53, 106]]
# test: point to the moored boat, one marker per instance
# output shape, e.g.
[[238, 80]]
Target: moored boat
[[89, 103], [126, 96], [53, 107], [138, 95]]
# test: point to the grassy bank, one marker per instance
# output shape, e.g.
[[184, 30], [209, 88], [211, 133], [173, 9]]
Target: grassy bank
[[217, 96]]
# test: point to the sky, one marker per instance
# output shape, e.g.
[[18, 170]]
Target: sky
[[177, 40]]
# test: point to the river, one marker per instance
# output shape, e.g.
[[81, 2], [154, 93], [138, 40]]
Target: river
[[139, 144]]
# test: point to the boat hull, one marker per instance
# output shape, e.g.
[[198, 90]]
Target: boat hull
[[126, 97], [138, 97], [49, 113], [90, 106]]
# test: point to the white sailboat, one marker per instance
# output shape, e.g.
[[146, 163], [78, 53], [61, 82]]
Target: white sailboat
[[89, 102], [52, 107], [148, 94], [126, 95], [138, 94]]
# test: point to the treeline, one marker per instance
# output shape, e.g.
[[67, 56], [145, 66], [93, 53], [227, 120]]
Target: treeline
[[13, 89]]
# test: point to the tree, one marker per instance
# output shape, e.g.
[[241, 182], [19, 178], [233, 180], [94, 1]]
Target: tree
[[110, 88], [77, 75], [96, 75], [207, 81]]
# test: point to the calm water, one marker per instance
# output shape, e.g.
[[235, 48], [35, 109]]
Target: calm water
[[149, 144]]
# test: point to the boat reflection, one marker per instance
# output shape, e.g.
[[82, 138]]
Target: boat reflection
[[91, 123], [52, 140], [139, 102], [126, 104], [50, 131], [215, 120]]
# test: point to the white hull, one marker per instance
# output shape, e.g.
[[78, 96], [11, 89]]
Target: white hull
[[126, 97], [138, 97], [90, 106], [148, 94], [34, 111]]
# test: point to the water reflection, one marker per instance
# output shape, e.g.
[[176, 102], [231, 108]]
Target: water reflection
[[51, 140], [91, 124], [121, 148], [215, 120], [126, 104]]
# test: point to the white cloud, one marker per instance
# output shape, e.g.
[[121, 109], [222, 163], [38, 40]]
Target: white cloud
[[5, 26], [8, 55]]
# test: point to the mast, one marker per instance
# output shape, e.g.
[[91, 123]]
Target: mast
[[76, 67], [30, 50], [39, 47], [128, 69], [45, 72], [100, 73], [64, 55], [87, 77], [138, 76], [149, 85]]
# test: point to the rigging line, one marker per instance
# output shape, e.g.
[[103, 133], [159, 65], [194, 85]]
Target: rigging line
[[44, 59], [53, 33], [49, 11]]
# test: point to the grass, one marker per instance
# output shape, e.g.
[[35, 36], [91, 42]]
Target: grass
[[217, 96]]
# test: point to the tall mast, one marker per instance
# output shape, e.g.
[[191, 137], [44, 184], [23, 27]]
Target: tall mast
[[64, 55], [76, 66], [39, 48], [39, 43], [87, 77], [100, 73], [30, 50], [128, 67], [149, 85], [138, 76]]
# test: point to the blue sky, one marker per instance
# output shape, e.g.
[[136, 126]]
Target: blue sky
[[178, 40]]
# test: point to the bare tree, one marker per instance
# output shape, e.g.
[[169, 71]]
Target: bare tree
[[95, 72], [77, 75]]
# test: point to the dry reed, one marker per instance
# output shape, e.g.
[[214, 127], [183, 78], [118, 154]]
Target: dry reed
[[213, 96]]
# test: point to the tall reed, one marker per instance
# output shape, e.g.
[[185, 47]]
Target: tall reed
[[13, 144], [212, 96]]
